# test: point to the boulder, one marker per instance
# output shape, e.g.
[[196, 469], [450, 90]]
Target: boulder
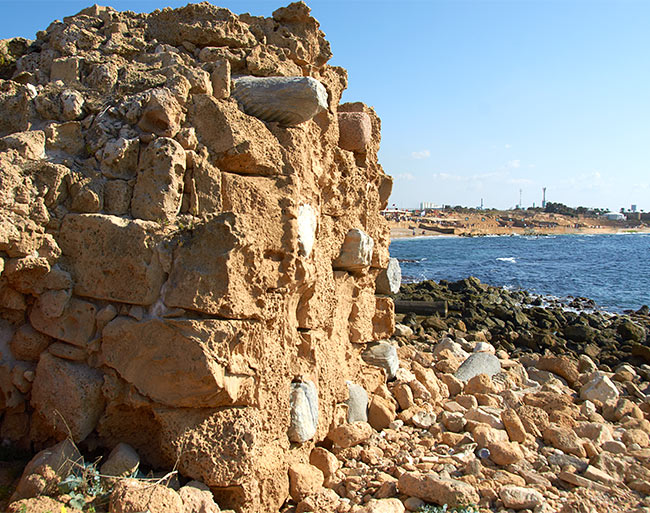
[[381, 413], [431, 488], [382, 355], [356, 252], [162, 114], [61, 458], [383, 506], [357, 403], [287, 100], [304, 480], [600, 388], [389, 280], [67, 396], [355, 131], [158, 190], [122, 461], [131, 495], [324, 461], [518, 497], [197, 498], [113, 258], [349, 435], [189, 362], [304, 412], [478, 363]]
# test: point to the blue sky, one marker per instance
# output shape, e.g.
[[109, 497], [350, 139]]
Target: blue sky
[[480, 99]]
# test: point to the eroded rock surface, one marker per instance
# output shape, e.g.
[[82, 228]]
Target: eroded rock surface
[[176, 265]]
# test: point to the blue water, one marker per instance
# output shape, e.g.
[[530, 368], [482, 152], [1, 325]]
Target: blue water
[[613, 270]]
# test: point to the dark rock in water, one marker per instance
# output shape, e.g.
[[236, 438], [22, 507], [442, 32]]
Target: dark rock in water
[[644, 310], [629, 330], [579, 333]]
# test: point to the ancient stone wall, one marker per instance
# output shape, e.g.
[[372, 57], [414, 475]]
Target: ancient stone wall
[[188, 248]]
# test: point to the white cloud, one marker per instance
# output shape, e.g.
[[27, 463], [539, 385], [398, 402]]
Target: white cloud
[[418, 155], [507, 146], [405, 176], [520, 181], [513, 164]]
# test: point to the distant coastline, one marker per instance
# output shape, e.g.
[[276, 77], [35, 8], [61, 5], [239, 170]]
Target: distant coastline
[[508, 223]]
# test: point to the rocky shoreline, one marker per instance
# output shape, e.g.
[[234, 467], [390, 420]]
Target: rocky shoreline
[[498, 403]]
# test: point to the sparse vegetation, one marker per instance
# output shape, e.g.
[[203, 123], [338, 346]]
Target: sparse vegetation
[[430, 508]]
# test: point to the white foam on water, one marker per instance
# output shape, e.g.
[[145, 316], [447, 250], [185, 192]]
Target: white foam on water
[[510, 260]]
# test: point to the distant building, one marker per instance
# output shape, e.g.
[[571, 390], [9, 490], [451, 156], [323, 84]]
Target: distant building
[[633, 208], [614, 216], [428, 205]]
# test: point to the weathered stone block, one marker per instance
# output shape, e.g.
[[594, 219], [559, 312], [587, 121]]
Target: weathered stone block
[[162, 114], [478, 363], [113, 258], [238, 143], [287, 100], [220, 78], [355, 130], [75, 325], [158, 192], [67, 396], [221, 270], [357, 403], [192, 364]]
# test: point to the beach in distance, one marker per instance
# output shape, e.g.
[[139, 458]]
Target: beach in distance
[[509, 222]]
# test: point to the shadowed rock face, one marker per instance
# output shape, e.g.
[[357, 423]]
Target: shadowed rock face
[[185, 270]]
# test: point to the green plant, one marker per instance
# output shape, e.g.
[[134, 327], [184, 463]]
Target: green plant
[[430, 508], [84, 483]]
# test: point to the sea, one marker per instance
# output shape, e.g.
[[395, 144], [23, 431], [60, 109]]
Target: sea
[[613, 269]]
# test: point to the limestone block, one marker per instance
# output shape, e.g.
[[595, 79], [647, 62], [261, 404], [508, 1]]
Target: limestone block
[[27, 344], [220, 78], [517, 497], [478, 363], [225, 446], [72, 105], [67, 396], [53, 302], [122, 461], [238, 143], [356, 252], [190, 363], [381, 413], [75, 325], [355, 130], [197, 498], [389, 280], [30, 145], [287, 100], [67, 351], [600, 388], [357, 403], [324, 461], [307, 225], [383, 322], [383, 355], [431, 488], [206, 197], [304, 412], [162, 114], [60, 458], [304, 480], [130, 495], [117, 197], [112, 258], [66, 69], [349, 435], [65, 137], [120, 158], [158, 191], [221, 270]]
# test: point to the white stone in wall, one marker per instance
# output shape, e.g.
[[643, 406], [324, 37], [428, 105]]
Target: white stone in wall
[[389, 280], [356, 251], [304, 411], [307, 224]]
